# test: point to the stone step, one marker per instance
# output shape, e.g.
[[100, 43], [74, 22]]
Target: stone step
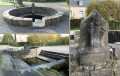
[[36, 26], [46, 58], [55, 52], [55, 56]]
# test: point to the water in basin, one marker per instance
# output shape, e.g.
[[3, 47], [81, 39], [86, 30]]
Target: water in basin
[[36, 18]]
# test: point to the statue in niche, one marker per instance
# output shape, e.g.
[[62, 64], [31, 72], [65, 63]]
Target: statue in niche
[[93, 32]]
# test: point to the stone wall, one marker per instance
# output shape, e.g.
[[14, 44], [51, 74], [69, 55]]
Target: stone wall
[[30, 53], [15, 16]]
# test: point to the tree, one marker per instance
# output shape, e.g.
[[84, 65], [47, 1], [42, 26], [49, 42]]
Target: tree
[[67, 2], [108, 9], [8, 38]]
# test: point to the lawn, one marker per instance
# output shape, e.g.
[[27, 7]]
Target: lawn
[[5, 3], [77, 28]]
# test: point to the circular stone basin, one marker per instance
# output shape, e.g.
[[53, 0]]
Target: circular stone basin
[[43, 16], [35, 18]]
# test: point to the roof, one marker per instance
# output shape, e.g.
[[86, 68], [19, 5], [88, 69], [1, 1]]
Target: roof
[[80, 3]]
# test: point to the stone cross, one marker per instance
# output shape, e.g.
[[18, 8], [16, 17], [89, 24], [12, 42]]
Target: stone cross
[[93, 32]]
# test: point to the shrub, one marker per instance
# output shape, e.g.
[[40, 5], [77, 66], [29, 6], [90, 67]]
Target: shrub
[[114, 25], [75, 23], [42, 39], [21, 43], [65, 40], [8, 38], [107, 9]]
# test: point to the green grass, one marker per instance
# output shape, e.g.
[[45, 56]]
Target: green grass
[[16, 46], [66, 5], [46, 1], [5, 3], [17, 5], [49, 69], [77, 28]]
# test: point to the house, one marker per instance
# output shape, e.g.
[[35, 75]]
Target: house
[[78, 8]]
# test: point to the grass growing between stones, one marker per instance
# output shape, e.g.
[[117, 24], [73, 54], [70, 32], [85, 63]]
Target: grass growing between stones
[[49, 69], [5, 3]]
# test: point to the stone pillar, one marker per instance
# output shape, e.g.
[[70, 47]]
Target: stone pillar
[[94, 39]]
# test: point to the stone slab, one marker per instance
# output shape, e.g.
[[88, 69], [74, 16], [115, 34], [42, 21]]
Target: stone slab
[[117, 71], [46, 58], [80, 74], [102, 72], [92, 57]]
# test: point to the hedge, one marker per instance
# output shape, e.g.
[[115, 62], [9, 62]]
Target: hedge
[[44, 44], [46, 0], [113, 25], [75, 23]]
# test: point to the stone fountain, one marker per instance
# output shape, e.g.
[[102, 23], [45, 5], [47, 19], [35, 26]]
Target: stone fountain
[[94, 57], [34, 17]]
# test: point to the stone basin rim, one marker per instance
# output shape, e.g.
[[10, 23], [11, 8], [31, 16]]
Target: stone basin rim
[[53, 18]]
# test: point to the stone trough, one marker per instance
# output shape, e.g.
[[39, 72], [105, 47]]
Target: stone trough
[[17, 16]]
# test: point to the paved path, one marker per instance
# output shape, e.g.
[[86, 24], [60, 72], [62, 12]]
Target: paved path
[[62, 27]]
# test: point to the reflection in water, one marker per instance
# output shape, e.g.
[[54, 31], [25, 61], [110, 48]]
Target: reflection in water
[[36, 18]]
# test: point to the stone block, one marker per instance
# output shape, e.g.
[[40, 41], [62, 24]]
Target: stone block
[[116, 63], [91, 57], [102, 72], [54, 20], [80, 74], [116, 72], [17, 20], [26, 22], [117, 53], [46, 21], [100, 65]]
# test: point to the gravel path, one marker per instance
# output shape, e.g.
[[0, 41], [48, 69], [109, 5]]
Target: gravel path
[[62, 27]]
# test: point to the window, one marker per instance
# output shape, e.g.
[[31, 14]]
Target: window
[[70, 13], [80, 3], [81, 14]]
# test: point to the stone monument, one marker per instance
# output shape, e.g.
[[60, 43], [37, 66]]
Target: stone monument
[[94, 39], [94, 57]]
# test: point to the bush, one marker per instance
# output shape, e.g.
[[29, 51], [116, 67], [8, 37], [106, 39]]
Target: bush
[[8, 38], [65, 40], [46, 0], [42, 39], [114, 25], [75, 23], [21, 43]]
